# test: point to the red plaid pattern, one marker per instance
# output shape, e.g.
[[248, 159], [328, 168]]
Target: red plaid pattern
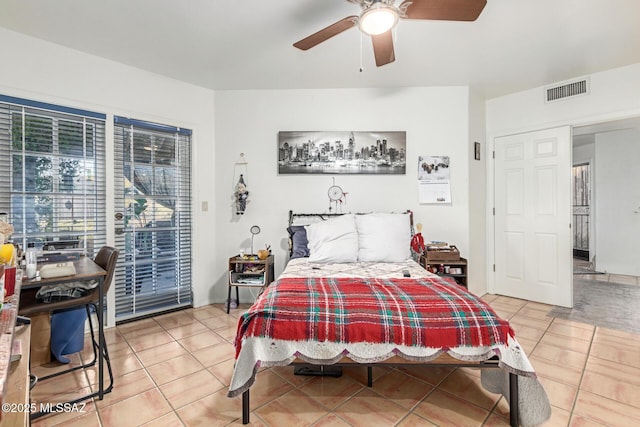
[[421, 312]]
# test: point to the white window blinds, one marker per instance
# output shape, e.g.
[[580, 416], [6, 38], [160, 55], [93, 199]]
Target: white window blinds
[[52, 174], [153, 217]]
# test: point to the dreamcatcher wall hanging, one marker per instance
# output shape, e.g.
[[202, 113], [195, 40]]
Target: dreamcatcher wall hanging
[[337, 197], [240, 193]]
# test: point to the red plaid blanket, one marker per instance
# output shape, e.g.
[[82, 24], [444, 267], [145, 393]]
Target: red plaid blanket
[[423, 312]]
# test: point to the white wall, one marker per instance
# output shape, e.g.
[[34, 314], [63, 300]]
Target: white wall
[[614, 94], [616, 202], [435, 120], [584, 153], [477, 255], [43, 71]]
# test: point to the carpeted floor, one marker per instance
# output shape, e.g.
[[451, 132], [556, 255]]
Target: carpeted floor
[[610, 305]]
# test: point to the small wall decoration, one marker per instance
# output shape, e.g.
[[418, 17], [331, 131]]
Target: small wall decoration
[[241, 194], [240, 191], [434, 182], [342, 152], [337, 197]]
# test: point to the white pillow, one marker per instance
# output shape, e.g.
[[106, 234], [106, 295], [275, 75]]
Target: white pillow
[[334, 240], [383, 237]]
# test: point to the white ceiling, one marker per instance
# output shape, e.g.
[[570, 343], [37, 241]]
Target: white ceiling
[[514, 45]]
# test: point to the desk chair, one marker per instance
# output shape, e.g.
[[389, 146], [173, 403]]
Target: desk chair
[[106, 258]]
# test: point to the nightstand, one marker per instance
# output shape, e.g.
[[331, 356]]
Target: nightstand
[[457, 269], [250, 272]]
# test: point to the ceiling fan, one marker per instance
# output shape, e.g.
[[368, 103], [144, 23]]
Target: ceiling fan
[[379, 17]]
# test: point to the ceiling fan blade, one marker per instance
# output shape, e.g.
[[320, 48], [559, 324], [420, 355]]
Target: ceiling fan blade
[[383, 48], [326, 33], [446, 10]]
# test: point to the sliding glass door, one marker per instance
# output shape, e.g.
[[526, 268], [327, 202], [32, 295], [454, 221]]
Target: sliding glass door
[[153, 217]]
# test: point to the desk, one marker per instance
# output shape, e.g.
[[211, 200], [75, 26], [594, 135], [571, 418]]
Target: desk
[[14, 376], [86, 270]]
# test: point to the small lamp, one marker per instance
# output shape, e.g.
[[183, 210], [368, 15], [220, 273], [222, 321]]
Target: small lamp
[[254, 230]]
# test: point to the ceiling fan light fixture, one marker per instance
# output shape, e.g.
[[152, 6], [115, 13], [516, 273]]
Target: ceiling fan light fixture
[[378, 19]]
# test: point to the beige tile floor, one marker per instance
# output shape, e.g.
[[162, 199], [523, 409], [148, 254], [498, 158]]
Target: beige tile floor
[[174, 369]]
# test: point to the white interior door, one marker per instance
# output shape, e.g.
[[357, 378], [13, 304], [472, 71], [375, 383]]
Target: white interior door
[[533, 216]]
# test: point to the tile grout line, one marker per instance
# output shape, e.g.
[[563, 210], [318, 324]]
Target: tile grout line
[[155, 384], [579, 390]]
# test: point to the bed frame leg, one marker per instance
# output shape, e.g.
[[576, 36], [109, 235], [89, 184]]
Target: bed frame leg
[[513, 400], [245, 407], [369, 376]]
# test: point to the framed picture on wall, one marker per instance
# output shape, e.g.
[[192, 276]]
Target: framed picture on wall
[[342, 152]]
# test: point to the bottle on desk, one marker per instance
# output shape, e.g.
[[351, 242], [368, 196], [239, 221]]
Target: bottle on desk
[[31, 261]]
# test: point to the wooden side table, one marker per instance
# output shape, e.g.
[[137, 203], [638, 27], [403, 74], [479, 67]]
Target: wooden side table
[[250, 272], [457, 269]]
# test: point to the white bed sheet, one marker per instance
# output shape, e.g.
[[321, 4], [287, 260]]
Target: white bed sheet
[[301, 267]]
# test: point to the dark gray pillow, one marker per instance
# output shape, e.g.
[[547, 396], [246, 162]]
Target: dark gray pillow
[[299, 242]]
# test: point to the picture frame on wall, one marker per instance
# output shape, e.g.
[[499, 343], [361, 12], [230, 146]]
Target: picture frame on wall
[[342, 152], [476, 150]]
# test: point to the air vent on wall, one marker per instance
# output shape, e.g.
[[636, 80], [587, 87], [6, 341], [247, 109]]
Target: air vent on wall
[[566, 90]]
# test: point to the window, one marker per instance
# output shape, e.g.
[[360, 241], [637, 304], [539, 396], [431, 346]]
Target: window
[[52, 174], [153, 217]]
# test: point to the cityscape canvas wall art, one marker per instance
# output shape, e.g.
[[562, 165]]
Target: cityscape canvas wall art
[[347, 152]]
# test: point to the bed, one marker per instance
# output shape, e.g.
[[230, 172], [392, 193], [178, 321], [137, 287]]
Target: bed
[[352, 293]]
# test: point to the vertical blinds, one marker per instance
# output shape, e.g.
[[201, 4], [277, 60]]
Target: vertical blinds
[[52, 174], [153, 217]]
